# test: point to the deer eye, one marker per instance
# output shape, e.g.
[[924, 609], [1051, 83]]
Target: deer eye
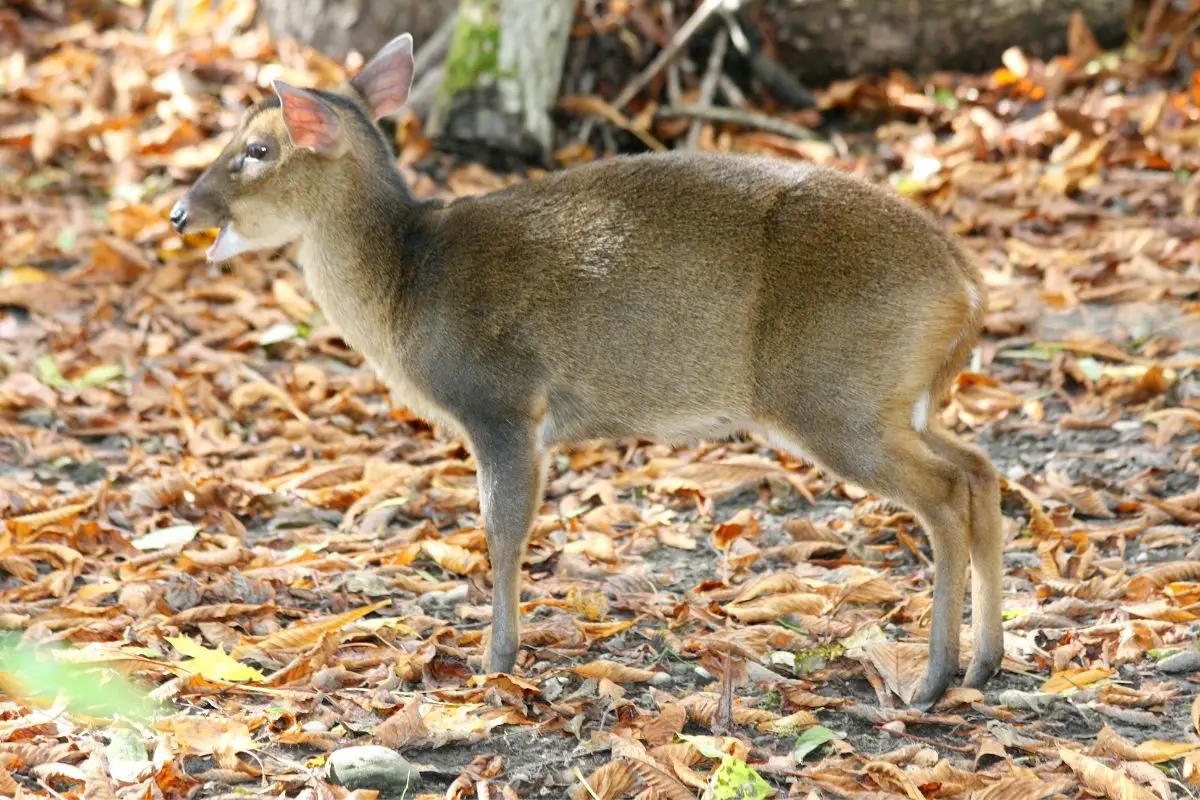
[[256, 150]]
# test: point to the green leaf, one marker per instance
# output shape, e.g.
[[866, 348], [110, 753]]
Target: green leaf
[[863, 637], [1091, 368], [277, 333], [165, 537], [128, 760], [946, 97], [813, 738], [48, 372], [100, 375], [66, 240], [704, 746], [736, 780], [213, 664], [84, 688]]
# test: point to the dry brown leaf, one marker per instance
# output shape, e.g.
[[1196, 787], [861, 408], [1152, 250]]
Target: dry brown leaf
[[702, 710], [451, 557], [595, 546], [610, 782], [742, 524], [891, 778], [8, 784], [205, 736], [299, 636], [611, 670], [769, 609], [662, 729], [1099, 778], [1021, 788], [900, 665], [663, 783]]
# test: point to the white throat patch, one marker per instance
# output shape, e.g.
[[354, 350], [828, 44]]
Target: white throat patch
[[229, 243]]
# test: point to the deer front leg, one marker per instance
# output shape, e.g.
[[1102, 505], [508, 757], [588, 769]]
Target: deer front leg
[[511, 471]]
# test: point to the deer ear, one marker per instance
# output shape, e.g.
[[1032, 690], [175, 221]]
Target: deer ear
[[311, 122], [387, 78]]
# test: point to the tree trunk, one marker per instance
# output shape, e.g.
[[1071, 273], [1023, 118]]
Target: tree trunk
[[335, 27], [502, 76], [823, 40]]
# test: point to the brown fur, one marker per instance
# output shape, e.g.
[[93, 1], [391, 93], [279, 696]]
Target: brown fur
[[679, 296]]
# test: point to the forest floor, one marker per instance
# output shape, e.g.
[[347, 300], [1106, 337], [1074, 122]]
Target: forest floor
[[226, 554]]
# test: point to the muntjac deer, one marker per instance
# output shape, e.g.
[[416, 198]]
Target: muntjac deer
[[677, 296]]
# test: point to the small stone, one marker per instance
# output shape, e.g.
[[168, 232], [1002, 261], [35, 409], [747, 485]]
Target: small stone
[[1187, 661], [455, 595], [371, 767], [315, 726], [552, 689], [662, 679]]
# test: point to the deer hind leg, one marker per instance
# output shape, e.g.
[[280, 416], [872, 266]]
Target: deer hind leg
[[891, 459], [987, 552]]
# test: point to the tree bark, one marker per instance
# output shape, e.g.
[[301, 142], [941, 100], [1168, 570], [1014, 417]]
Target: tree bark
[[502, 75], [335, 27], [823, 40]]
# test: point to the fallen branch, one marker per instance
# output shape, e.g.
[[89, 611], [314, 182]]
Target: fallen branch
[[737, 116], [682, 37], [708, 84]]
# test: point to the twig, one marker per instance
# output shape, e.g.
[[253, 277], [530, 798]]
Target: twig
[[674, 84], [737, 116], [731, 91], [686, 31], [682, 36], [708, 84], [583, 780]]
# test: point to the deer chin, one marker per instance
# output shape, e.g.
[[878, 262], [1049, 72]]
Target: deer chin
[[228, 244]]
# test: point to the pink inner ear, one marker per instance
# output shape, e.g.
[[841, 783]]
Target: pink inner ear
[[386, 80], [311, 122]]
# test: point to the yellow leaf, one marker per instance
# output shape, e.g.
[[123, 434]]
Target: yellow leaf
[[19, 276], [1157, 750], [215, 665], [1071, 679]]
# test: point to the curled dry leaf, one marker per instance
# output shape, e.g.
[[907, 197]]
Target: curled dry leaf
[[611, 670], [663, 783], [610, 782], [451, 557], [1097, 777], [299, 636], [892, 779]]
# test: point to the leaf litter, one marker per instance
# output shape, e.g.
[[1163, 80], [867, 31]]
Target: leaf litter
[[226, 555]]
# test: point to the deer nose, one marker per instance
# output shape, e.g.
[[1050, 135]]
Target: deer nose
[[179, 215]]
